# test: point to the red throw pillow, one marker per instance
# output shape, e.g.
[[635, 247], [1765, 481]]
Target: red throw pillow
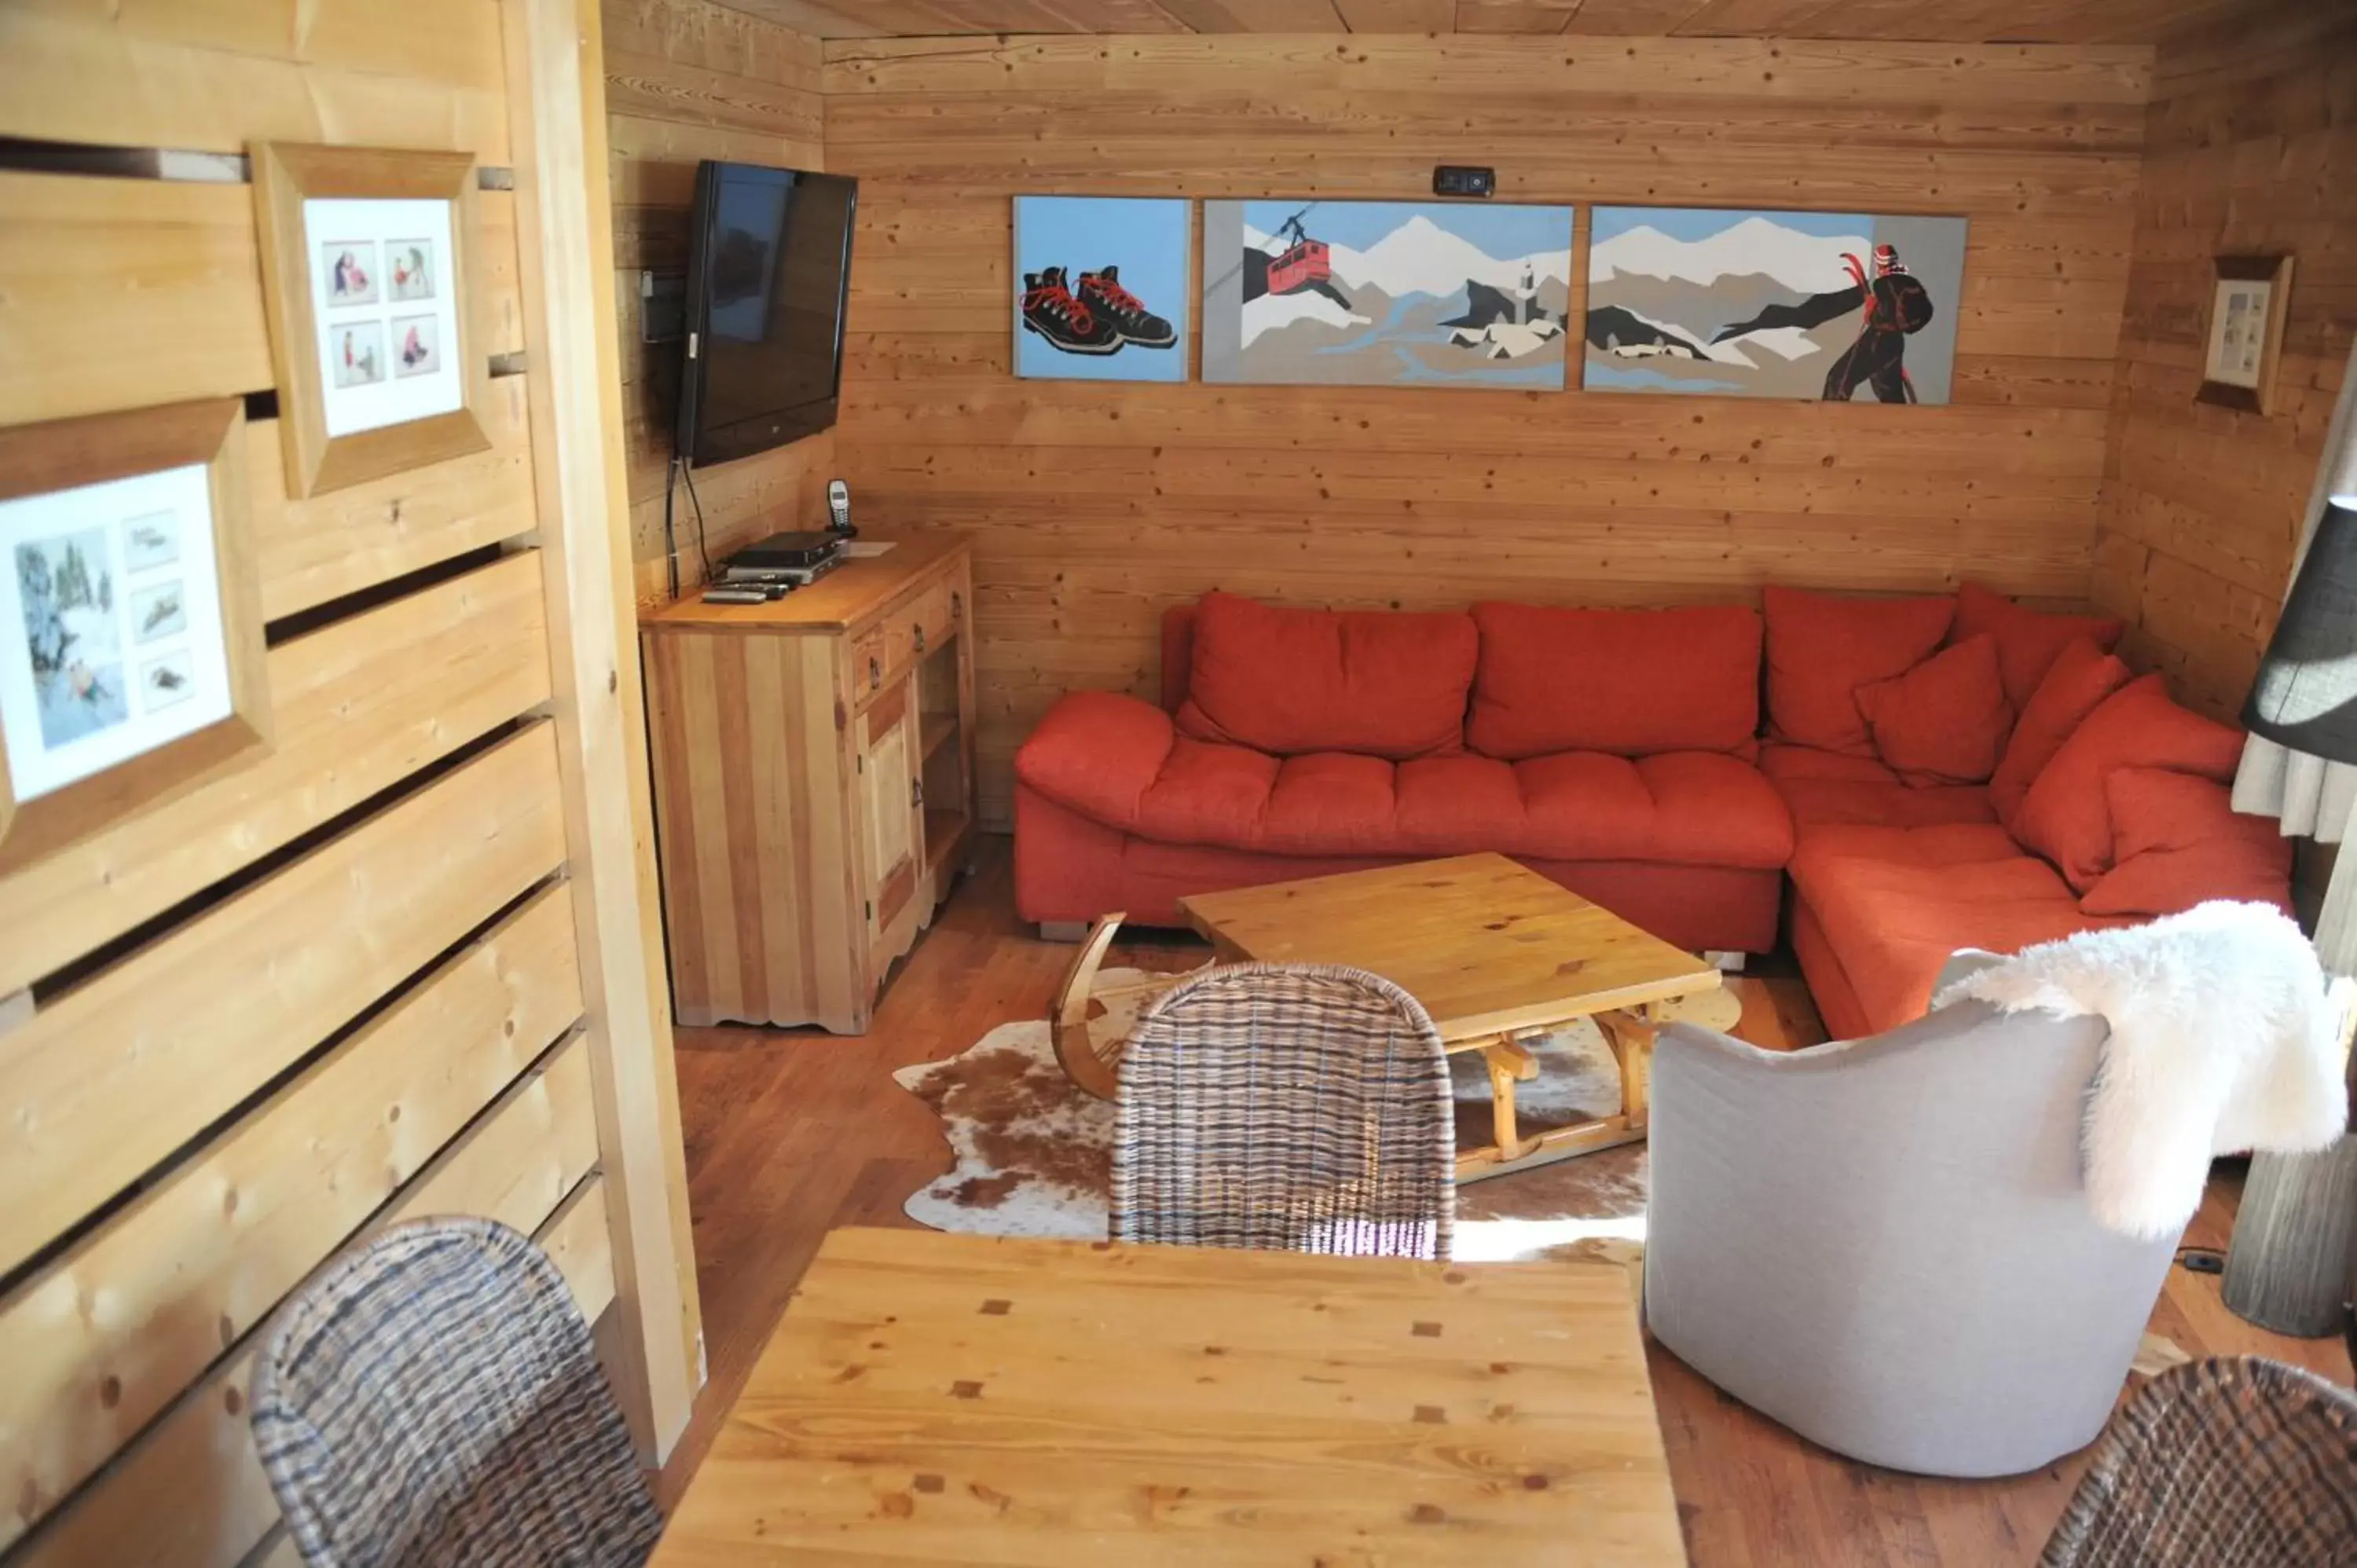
[[2081, 677], [2028, 641], [2160, 808], [1823, 648], [1634, 682], [1288, 682], [1944, 721], [2066, 817]]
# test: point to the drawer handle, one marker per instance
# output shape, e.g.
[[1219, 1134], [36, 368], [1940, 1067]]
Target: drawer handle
[[875, 672], [920, 631], [957, 606]]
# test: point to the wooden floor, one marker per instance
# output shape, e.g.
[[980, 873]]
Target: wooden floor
[[789, 1135]]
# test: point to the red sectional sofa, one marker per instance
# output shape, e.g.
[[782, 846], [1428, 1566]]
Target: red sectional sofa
[[1937, 772]]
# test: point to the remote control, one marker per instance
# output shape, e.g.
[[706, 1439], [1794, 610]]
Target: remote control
[[735, 596]]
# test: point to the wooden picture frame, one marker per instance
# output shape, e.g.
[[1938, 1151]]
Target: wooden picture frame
[[69, 455], [2243, 334], [288, 178]]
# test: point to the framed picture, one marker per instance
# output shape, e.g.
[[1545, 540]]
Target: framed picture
[[1830, 306], [1385, 293], [2246, 326], [365, 268], [1101, 288], [131, 648]]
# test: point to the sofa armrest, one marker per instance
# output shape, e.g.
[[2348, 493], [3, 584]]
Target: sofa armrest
[[1097, 753]]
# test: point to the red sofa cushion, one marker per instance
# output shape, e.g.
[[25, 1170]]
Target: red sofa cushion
[[1628, 682], [1893, 905], [1944, 722], [1827, 789], [1288, 681], [2066, 817], [2177, 841], [2075, 685], [1823, 648], [2028, 641]]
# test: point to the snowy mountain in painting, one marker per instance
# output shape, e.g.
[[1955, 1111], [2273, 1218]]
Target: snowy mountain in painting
[[1806, 264], [1273, 311], [1421, 257]]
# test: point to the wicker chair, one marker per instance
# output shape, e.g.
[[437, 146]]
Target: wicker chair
[[433, 1399], [2219, 1463], [1287, 1108]]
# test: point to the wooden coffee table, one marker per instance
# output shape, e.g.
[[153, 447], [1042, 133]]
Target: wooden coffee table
[[1499, 956]]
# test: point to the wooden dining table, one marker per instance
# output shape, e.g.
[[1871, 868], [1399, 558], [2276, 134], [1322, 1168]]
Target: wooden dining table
[[947, 1399]]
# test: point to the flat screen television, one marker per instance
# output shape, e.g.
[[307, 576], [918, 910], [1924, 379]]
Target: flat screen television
[[768, 264]]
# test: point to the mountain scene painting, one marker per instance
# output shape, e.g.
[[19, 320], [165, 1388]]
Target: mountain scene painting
[[1385, 294], [1837, 307]]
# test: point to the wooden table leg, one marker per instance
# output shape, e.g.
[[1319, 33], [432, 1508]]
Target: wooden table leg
[[1631, 1036], [1508, 1064]]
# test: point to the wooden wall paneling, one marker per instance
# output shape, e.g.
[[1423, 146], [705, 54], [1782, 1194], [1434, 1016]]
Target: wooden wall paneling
[[130, 292], [200, 1258], [189, 1492], [345, 541], [215, 75], [1095, 506], [358, 706], [687, 79], [2252, 143], [108, 1078], [557, 73]]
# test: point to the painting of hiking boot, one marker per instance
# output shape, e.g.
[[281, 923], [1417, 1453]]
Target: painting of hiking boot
[[1385, 294], [1100, 288], [1840, 306]]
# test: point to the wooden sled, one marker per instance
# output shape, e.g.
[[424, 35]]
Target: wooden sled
[[1089, 1025]]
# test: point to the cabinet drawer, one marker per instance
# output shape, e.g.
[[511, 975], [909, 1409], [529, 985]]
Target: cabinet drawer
[[872, 664], [932, 618]]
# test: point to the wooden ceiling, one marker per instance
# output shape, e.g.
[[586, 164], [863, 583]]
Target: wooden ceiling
[[1931, 21]]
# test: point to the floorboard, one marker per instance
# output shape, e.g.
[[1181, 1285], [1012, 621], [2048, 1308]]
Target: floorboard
[[791, 1134]]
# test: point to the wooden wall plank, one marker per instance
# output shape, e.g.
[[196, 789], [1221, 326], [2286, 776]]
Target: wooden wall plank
[[214, 77], [205, 1255], [109, 1079], [1096, 505], [357, 706], [312, 551], [2252, 140], [687, 79], [190, 1493], [129, 293], [1803, 70]]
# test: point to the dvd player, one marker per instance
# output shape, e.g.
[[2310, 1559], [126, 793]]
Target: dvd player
[[788, 551]]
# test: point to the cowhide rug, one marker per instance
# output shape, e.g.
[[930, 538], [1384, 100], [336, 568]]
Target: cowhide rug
[[1032, 1155]]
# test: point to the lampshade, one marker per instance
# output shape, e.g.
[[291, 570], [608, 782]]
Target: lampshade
[[2305, 693]]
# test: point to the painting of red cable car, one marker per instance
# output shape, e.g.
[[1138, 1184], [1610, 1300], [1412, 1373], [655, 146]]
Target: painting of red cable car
[[1385, 293]]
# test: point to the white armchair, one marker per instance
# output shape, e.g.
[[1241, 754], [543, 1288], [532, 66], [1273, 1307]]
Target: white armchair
[[1884, 1244]]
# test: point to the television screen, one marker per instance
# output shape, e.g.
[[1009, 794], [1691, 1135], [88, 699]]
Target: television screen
[[769, 260]]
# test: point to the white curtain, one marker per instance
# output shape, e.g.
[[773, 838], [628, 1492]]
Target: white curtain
[[2314, 797]]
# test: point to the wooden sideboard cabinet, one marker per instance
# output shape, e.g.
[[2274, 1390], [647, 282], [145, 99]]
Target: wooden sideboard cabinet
[[813, 774]]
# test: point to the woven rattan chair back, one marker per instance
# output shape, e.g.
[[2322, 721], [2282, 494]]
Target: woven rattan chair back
[[433, 1399], [2219, 1463], [1287, 1108]]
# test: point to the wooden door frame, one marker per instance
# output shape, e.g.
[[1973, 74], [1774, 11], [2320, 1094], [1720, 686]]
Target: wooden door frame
[[556, 96]]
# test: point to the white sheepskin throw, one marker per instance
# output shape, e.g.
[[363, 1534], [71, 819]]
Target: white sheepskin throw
[[2226, 1036]]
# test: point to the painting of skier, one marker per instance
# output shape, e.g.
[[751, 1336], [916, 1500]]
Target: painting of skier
[[1837, 307]]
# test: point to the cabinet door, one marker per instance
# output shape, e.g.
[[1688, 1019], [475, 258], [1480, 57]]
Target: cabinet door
[[889, 805]]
